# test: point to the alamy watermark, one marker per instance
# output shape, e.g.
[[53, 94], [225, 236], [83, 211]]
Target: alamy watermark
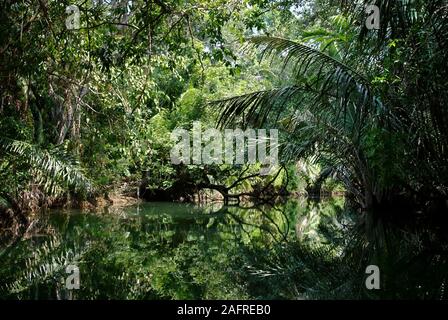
[[373, 280], [230, 146], [373, 18], [73, 280], [72, 22]]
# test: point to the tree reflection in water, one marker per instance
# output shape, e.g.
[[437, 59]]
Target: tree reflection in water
[[292, 250]]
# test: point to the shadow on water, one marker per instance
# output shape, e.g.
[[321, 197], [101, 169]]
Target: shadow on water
[[292, 250]]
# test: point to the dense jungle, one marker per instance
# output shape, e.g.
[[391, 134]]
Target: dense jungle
[[91, 92]]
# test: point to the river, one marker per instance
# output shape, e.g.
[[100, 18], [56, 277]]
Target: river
[[159, 251]]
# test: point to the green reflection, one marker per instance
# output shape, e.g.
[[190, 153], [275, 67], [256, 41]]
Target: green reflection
[[296, 249]]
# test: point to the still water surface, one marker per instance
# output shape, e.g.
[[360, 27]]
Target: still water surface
[[162, 251]]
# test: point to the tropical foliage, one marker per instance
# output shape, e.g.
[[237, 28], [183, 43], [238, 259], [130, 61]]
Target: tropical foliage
[[90, 92], [359, 104]]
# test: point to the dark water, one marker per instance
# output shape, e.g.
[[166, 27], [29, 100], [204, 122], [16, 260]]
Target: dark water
[[293, 250], [156, 251]]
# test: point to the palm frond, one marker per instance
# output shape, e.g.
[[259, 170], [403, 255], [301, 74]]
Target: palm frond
[[3, 202], [46, 264], [256, 106], [49, 169], [327, 82], [301, 58]]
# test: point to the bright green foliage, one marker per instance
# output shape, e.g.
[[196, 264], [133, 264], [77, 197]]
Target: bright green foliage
[[107, 94]]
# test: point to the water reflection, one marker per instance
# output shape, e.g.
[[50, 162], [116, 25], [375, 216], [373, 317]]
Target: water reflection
[[296, 249], [154, 250]]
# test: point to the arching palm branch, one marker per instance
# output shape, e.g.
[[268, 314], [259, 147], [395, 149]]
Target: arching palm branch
[[51, 169], [323, 80]]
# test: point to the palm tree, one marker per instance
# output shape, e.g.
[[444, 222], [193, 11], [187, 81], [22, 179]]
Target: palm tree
[[372, 109]]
